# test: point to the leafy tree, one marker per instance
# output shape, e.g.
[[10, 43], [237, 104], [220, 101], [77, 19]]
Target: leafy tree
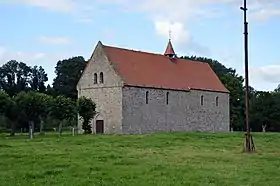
[[262, 110], [63, 109], [50, 91], [275, 112], [38, 79], [5, 105], [12, 114], [86, 109], [237, 100], [8, 108], [265, 110], [33, 106], [277, 89], [14, 77], [219, 68], [5, 102], [68, 73], [47, 102]]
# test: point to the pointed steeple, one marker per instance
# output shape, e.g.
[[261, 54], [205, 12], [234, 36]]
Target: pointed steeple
[[169, 51]]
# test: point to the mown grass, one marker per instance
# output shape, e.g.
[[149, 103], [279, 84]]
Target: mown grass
[[158, 159]]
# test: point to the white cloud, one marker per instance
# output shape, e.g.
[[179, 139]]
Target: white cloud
[[265, 77], [270, 73], [179, 33], [6, 55], [54, 40], [264, 14]]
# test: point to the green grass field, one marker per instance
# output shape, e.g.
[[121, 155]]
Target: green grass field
[[158, 159]]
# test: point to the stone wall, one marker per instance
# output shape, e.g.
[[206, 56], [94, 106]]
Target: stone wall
[[183, 112], [108, 107], [106, 95]]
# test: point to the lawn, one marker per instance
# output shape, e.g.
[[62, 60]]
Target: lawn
[[158, 159]]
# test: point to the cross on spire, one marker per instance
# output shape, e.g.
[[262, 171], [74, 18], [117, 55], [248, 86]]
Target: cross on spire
[[169, 34]]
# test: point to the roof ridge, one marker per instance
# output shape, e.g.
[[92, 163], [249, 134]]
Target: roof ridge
[[149, 69], [133, 50], [151, 53]]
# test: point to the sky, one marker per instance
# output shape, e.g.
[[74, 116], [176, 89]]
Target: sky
[[41, 32]]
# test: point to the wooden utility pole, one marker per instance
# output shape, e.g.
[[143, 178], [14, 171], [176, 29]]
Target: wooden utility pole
[[249, 143]]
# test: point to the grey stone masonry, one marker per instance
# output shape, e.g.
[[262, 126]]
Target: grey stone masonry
[[183, 112], [107, 95]]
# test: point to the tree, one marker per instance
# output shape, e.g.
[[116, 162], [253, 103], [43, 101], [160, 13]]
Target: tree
[[47, 102], [5, 102], [50, 90], [33, 106], [219, 68], [277, 89], [5, 106], [262, 110], [68, 73], [275, 112], [237, 100], [86, 110], [8, 108], [63, 109], [12, 114], [38, 79], [14, 77], [265, 111]]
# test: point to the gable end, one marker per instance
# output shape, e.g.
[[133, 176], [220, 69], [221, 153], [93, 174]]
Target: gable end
[[99, 64]]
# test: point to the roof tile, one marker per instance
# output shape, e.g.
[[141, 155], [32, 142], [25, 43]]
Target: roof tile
[[158, 71]]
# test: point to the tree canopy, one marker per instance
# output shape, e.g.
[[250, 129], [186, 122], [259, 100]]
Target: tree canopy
[[17, 76], [68, 73], [86, 110], [5, 102]]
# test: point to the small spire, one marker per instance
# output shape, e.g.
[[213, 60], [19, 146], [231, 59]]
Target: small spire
[[169, 51]]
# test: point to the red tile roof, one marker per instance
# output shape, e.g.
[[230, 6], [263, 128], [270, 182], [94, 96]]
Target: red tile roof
[[158, 71]]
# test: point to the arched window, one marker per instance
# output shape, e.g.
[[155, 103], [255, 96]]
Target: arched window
[[217, 101], [147, 97], [201, 100], [101, 80], [167, 98], [95, 78]]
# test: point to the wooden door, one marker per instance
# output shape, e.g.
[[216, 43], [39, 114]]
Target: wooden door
[[99, 126]]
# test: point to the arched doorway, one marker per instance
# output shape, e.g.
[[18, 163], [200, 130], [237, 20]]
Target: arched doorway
[[98, 124]]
